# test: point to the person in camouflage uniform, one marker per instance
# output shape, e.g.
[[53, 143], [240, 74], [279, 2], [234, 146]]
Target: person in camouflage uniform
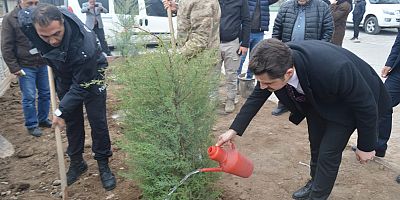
[[198, 25]]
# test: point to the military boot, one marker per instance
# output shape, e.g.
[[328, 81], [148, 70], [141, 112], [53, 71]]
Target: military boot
[[76, 168], [106, 176]]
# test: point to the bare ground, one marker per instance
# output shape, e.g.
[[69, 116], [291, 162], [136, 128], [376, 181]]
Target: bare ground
[[278, 149]]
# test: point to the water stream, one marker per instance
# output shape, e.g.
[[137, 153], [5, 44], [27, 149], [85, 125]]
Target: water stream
[[180, 183]]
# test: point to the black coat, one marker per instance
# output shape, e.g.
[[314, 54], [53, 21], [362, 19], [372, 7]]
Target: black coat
[[78, 61], [394, 57], [340, 86], [319, 21]]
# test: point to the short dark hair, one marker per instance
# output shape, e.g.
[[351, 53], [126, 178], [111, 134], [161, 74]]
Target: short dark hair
[[45, 13], [271, 56]]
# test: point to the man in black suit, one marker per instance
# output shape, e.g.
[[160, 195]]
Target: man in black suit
[[336, 96], [391, 71]]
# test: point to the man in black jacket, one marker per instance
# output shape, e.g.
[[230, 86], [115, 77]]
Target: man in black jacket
[[299, 20], [336, 96], [78, 62], [391, 71], [234, 35], [358, 14]]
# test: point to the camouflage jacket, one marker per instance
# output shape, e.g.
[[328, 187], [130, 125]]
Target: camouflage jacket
[[198, 26]]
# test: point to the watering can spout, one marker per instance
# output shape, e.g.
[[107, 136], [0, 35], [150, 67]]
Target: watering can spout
[[230, 161], [216, 169]]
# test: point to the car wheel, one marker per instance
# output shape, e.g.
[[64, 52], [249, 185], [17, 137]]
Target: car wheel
[[371, 26]]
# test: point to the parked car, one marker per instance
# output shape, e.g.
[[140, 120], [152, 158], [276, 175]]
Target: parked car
[[149, 15], [379, 14]]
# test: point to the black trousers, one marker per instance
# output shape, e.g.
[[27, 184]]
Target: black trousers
[[101, 36], [95, 105], [356, 28], [327, 141], [392, 85]]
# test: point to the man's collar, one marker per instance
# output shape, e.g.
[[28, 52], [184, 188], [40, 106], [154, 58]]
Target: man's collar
[[294, 80]]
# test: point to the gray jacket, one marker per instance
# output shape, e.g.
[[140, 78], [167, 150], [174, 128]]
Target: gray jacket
[[93, 14]]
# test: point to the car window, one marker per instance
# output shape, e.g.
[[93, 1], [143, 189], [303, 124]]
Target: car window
[[103, 2], [155, 8], [126, 7], [54, 2], [384, 1]]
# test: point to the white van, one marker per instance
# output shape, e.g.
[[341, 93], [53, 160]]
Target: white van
[[149, 15], [379, 14]]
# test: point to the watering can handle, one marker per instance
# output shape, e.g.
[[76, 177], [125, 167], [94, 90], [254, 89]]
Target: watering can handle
[[232, 145]]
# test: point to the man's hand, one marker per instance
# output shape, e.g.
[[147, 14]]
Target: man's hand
[[385, 71], [19, 73], [242, 50], [226, 137], [58, 121], [363, 157], [170, 4]]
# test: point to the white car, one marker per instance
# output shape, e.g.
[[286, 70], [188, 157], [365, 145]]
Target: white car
[[149, 15], [379, 14]]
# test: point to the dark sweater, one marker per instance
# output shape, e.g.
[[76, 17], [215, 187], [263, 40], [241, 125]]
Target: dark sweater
[[235, 21]]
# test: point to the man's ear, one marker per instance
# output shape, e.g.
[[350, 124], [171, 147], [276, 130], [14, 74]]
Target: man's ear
[[289, 73]]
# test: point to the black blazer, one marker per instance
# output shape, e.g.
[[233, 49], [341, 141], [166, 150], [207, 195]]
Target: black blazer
[[394, 59], [339, 85]]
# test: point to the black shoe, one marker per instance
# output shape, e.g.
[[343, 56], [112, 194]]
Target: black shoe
[[76, 169], [380, 153], [46, 124], [398, 179], [279, 110], [106, 176], [109, 54], [304, 192], [35, 131], [353, 38]]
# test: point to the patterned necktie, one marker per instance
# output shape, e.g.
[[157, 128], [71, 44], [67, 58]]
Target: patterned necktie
[[294, 95]]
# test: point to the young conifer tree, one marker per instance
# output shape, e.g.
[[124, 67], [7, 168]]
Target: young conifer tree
[[170, 108]]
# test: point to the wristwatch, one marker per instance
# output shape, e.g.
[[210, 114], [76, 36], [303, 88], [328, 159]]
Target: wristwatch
[[57, 112]]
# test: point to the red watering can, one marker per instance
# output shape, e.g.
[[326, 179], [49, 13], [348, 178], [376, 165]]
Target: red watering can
[[230, 161]]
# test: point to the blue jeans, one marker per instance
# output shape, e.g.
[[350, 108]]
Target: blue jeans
[[35, 78], [254, 39]]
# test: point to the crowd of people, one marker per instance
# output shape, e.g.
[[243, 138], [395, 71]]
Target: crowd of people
[[335, 96]]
